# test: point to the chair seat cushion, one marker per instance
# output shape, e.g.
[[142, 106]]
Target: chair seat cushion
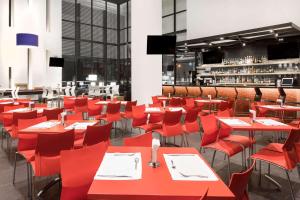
[[273, 157], [28, 155], [229, 148], [243, 140]]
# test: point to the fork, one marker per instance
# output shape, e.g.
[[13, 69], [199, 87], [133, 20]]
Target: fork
[[136, 160], [192, 175]]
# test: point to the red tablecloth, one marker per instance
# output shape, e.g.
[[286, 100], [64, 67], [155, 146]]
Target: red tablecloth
[[156, 183]]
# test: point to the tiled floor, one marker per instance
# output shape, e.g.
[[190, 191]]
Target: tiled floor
[[8, 191]]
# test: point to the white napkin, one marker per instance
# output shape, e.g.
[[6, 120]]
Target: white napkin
[[152, 109], [176, 109], [80, 125], [270, 122], [120, 166], [235, 122], [44, 125], [188, 167]]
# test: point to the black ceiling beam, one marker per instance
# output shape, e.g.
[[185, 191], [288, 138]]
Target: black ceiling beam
[[230, 35]]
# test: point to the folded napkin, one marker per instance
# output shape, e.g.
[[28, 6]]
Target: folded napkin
[[42, 125], [270, 122], [234, 122], [188, 167], [120, 166], [80, 125]]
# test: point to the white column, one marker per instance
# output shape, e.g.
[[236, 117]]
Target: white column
[[146, 70]]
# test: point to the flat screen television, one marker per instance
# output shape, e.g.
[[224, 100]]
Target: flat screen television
[[287, 81], [211, 57], [56, 62], [161, 44], [283, 51]]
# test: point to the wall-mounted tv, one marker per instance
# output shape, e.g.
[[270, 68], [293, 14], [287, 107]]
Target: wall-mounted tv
[[56, 62], [283, 51], [213, 56], [161, 44]]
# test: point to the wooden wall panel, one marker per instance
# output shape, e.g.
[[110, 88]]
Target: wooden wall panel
[[194, 91], [269, 94], [209, 91], [292, 95], [180, 91], [226, 92], [167, 90], [246, 93]]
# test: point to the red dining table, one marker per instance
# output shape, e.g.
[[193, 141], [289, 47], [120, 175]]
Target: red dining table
[[280, 109], [59, 128], [161, 110], [107, 102], [210, 102], [156, 183]]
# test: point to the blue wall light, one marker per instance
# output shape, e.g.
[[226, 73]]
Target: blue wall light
[[27, 40]]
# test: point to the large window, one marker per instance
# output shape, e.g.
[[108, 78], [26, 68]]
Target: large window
[[96, 40], [173, 23]]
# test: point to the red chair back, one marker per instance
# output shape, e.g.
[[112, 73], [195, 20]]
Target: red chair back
[[27, 141], [129, 104], [155, 117], [224, 130], [68, 103], [113, 111], [12, 107], [76, 116], [97, 134], [94, 109], [23, 115], [5, 104], [210, 129], [191, 120], [52, 114], [155, 99], [223, 106], [81, 104], [175, 102], [144, 140], [47, 152], [77, 178], [171, 123], [138, 115], [291, 148], [225, 113], [238, 183], [189, 103]]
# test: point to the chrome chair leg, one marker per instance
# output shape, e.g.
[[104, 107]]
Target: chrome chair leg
[[15, 165], [213, 158], [229, 169], [259, 178], [291, 187]]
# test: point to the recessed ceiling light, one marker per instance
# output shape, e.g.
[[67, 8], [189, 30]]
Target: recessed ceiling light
[[276, 35], [221, 38], [244, 44], [203, 50], [280, 39], [271, 31], [210, 44], [219, 47]]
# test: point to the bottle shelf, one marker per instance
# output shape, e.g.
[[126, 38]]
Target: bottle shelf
[[270, 62], [248, 74]]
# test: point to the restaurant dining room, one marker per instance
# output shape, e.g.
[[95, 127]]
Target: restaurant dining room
[[149, 100]]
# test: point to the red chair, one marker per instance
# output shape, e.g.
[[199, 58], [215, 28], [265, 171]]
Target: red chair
[[76, 116], [95, 135], [238, 183], [191, 124], [47, 154], [223, 106], [81, 104], [210, 140], [285, 156], [155, 99], [13, 133], [139, 119], [94, 110], [52, 114], [171, 125], [68, 103], [225, 132], [5, 126], [155, 118], [127, 115], [77, 178], [113, 114], [26, 143], [189, 103], [175, 102], [144, 140]]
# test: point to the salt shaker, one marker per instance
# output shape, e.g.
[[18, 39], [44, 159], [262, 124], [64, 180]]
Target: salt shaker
[[155, 145]]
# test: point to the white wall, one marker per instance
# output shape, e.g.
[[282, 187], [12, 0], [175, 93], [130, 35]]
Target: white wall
[[146, 70], [213, 17], [30, 19]]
